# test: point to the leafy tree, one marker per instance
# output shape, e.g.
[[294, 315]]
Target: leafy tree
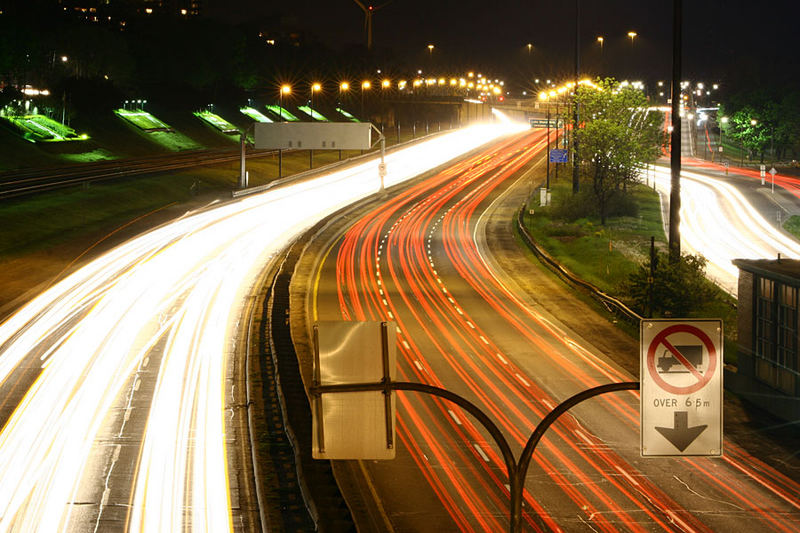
[[618, 136], [679, 289]]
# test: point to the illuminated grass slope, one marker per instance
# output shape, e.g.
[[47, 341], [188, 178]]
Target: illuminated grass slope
[[347, 114], [142, 119], [255, 114], [216, 122], [278, 112], [39, 128], [313, 113]]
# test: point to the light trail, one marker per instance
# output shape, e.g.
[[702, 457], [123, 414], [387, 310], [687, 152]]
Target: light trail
[[718, 222], [455, 317], [171, 297]]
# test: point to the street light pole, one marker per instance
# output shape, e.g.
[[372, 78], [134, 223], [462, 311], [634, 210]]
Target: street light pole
[[285, 89], [575, 158], [675, 153]]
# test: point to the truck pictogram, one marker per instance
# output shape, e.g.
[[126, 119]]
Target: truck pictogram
[[667, 363]]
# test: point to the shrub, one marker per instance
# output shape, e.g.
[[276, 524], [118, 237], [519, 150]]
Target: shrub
[[679, 289]]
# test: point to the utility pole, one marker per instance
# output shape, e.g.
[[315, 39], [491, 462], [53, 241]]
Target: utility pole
[[675, 152], [575, 178]]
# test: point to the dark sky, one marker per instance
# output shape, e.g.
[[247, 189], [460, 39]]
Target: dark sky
[[720, 37]]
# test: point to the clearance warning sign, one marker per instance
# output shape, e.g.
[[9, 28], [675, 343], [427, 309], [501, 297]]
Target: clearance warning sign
[[681, 387]]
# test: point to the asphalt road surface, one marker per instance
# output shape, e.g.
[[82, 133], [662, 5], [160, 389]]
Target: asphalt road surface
[[422, 261]]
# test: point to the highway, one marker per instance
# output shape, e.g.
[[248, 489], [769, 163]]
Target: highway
[[117, 402], [719, 222], [423, 261]]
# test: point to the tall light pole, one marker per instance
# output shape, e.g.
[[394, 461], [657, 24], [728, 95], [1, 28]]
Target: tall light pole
[[575, 157], [601, 40], [530, 47], [632, 35], [365, 86], [675, 141], [315, 88], [722, 120], [430, 50], [287, 90]]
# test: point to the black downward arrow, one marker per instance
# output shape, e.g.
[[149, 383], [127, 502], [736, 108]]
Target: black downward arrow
[[681, 436]]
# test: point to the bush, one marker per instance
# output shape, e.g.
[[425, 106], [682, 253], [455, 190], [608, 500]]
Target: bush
[[679, 289], [571, 207]]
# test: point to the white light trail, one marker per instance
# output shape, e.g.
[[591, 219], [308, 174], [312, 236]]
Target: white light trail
[[175, 295], [718, 222]]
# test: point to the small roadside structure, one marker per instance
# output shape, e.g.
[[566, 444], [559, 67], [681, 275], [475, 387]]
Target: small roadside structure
[[768, 372]]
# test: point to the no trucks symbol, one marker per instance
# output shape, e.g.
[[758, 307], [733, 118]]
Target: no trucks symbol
[[663, 357], [681, 387]]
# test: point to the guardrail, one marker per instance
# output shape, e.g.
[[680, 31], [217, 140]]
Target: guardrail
[[609, 302]]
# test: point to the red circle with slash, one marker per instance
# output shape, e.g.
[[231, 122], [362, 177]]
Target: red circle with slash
[[702, 379]]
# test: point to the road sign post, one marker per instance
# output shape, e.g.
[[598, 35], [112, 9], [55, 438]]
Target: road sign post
[[681, 377], [772, 173]]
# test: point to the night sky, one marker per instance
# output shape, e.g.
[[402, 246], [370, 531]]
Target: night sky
[[720, 38]]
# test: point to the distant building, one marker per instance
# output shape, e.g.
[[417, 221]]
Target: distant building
[[768, 371], [120, 10]]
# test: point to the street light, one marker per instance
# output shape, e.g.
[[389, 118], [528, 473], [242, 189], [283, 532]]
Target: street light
[[601, 40], [430, 50], [530, 46], [632, 35], [365, 86], [287, 90], [315, 88]]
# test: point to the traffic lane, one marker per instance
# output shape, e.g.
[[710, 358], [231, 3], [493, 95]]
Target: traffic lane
[[731, 485], [400, 485], [517, 376]]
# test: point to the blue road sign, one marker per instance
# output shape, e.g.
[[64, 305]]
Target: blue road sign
[[558, 155]]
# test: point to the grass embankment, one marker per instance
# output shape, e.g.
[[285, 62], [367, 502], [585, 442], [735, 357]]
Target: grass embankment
[[607, 255], [41, 235]]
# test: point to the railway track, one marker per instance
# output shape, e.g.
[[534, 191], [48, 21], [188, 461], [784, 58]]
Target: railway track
[[30, 181]]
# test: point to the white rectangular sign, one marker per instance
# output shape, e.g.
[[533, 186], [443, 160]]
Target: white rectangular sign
[[354, 423], [313, 135], [681, 387]]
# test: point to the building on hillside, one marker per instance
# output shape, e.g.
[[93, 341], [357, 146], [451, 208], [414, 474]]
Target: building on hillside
[[768, 367]]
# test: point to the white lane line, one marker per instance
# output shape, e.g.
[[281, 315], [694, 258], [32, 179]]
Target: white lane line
[[460, 312], [627, 475], [548, 404], [503, 359], [406, 345], [584, 438], [522, 380], [470, 324], [390, 314], [385, 302], [418, 365], [454, 417], [481, 452], [484, 340]]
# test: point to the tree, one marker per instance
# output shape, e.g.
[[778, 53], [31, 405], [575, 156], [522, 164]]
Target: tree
[[619, 135], [678, 288]]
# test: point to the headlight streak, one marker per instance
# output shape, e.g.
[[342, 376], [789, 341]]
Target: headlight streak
[[185, 280], [718, 222]]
